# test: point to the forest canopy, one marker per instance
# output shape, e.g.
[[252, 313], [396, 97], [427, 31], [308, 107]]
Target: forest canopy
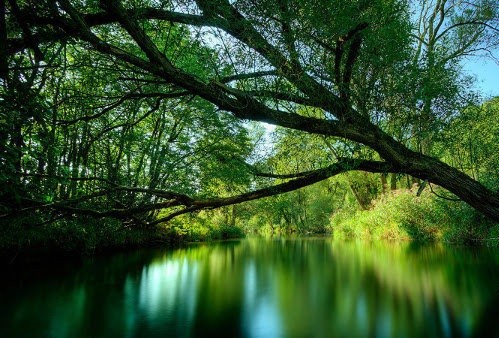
[[144, 110]]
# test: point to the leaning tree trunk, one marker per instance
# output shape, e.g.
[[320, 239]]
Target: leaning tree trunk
[[463, 186], [435, 171]]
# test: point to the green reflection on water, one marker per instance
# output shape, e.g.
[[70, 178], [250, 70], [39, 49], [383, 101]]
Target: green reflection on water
[[262, 288]]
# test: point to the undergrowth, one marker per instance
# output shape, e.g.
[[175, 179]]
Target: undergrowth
[[401, 215]]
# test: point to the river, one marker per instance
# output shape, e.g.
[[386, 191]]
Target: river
[[312, 287]]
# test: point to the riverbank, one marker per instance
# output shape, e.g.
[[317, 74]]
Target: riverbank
[[82, 237], [402, 215], [398, 216]]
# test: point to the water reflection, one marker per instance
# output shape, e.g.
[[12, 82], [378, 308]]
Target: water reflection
[[262, 288]]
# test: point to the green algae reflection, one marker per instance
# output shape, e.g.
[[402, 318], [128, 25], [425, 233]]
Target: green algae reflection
[[263, 288]]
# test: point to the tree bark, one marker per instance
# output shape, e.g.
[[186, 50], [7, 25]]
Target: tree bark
[[384, 183], [393, 181]]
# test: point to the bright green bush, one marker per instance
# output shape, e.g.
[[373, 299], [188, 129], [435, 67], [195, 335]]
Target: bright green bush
[[402, 215], [204, 226]]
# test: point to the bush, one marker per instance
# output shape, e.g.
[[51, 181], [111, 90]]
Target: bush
[[203, 227], [74, 236], [402, 215]]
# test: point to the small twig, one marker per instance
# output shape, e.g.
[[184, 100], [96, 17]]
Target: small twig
[[445, 198]]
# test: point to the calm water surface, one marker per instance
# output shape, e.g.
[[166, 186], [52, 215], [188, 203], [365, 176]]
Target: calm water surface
[[261, 288]]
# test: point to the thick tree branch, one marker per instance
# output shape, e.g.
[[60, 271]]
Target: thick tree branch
[[236, 25], [305, 179], [287, 31], [96, 19], [191, 204], [353, 53], [104, 18], [28, 37]]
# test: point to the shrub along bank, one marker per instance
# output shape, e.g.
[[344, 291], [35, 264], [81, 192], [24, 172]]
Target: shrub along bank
[[84, 236], [401, 215]]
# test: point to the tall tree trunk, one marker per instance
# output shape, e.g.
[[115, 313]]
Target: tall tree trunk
[[16, 140], [364, 205], [384, 183], [393, 181]]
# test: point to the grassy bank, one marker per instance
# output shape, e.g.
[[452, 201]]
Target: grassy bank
[[402, 215]]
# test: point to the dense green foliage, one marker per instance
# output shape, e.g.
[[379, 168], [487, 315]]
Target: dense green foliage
[[125, 122], [404, 216]]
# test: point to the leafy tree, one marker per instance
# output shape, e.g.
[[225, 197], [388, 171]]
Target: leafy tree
[[147, 99], [471, 142]]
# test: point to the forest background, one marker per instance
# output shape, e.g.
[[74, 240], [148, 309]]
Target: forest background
[[125, 123]]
